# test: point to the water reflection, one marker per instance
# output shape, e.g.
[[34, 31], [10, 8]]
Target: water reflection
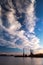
[[36, 61], [20, 61]]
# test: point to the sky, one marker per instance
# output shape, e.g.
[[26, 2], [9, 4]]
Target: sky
[[21, 25]]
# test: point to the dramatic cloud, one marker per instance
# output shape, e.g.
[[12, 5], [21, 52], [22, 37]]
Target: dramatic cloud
[[30, 17], [14, 24], [30, 20], [11, 32]]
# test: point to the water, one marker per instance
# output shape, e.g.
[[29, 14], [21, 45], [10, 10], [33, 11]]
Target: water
[[20, 61]]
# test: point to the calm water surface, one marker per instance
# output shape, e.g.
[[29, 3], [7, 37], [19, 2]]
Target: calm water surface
[[20, 61]]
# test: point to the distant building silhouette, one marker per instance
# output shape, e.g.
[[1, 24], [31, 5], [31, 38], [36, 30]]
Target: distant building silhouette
[[23, 52], [31, 52], [24, 55]]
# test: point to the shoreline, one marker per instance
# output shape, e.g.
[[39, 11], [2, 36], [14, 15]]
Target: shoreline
[[32, 56]]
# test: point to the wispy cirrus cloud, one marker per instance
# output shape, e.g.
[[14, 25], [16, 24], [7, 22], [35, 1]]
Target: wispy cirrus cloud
[[13, 32], [30, 17]]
